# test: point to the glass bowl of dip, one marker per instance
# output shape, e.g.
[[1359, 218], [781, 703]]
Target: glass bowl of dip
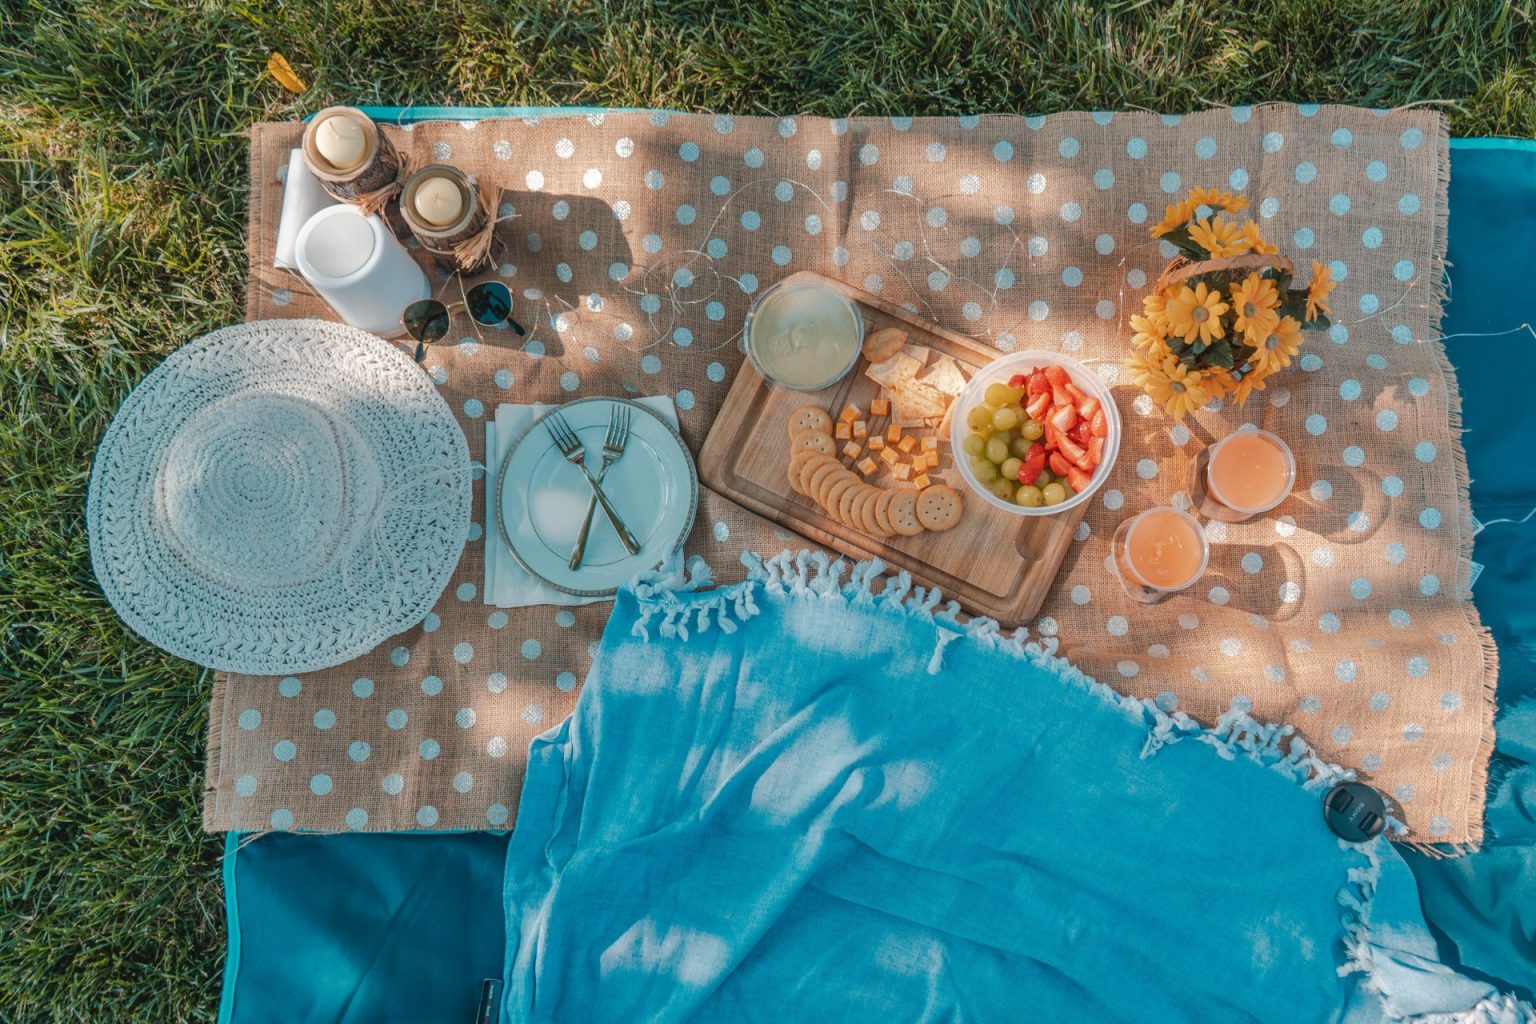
[[803, 335]]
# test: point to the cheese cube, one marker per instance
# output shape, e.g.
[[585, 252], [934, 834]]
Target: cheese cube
[[922, 480], [867, 465], [907, 444], [880, 407], [891, 456], [850, 413], [853, 449], [893, 433], [876, 443], [860, 429], [902, 471], [842, 431], [931, 443]]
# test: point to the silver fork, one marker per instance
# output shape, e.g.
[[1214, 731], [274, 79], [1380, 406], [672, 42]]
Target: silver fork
[[613, 450], [570, 447]]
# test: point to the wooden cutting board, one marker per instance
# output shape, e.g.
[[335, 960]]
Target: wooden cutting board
[[993, 563]]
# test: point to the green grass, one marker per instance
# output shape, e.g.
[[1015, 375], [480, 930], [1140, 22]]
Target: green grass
[[122, 193]]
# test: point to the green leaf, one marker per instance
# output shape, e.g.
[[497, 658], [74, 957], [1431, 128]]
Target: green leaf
[[1317, 323], [1220, 354], [1294, 304], [1180, 237]]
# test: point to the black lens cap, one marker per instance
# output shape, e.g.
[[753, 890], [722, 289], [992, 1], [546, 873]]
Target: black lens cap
[[1355, 812]]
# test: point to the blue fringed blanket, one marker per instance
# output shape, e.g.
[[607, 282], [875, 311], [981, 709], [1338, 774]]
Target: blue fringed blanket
[[794, 800]]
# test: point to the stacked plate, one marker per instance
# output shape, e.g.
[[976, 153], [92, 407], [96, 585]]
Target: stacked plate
[[542, 498]]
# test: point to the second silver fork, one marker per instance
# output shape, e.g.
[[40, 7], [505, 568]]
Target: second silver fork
[[572, 450], [613, 450]]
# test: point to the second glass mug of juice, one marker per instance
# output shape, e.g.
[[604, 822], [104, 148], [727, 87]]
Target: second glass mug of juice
[[1158, 553], [1243, 475]]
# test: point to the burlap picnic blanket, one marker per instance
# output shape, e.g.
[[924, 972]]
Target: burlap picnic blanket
[[634, 244]]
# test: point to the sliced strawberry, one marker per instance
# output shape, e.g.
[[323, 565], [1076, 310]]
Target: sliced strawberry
[[1038, 405], [1071, 450], [1072, 389], [1036, 449], [1059, 464], [1064, 418], [1059, 396], [1079, 433], [1038, 385], [1057, 375], [1078, 478], [1029, 472], [1096, 450], [1018, 380], [1100, 425], [1088, 407]]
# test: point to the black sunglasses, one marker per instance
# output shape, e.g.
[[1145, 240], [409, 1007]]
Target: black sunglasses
[[489, 304]]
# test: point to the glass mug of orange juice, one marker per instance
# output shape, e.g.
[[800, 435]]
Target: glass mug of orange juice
[[1245, 474], [1158, 553]]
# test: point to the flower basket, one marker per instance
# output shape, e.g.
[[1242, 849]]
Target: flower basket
[[1222, 318]]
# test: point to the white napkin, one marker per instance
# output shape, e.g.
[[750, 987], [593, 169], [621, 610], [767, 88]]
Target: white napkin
[[303, 197], [507, 584]]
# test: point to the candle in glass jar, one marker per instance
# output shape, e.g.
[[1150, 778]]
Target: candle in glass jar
[[438, 201], [340, 141]]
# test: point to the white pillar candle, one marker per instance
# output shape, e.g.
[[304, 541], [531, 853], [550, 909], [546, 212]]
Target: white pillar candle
[[438, 201], [340, 140], [355, 263]]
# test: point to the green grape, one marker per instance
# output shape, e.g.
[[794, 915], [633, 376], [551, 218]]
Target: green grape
[[979, 418], [1032, 429], [1002, 488], [984, 471], [1006, 436], [997, 394], [1015, 396], [1045, 477], [1029, 496], [1020, 447], [1010, 468], [1006, 418], [974, 444], [1054, 493], [997, 448]]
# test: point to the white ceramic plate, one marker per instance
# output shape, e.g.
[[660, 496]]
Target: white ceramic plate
[[543, 498]]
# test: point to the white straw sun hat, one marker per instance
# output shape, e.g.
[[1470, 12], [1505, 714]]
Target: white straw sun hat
[[279, 496]]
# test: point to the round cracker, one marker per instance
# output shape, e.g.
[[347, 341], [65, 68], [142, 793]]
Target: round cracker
[[796, 464], [809, 466], [813, 478], [902, 513], [810, 417], [814, 441], [865, 511], [824, 493], [835, 493], [884, 343], [939, 507], [882, 511], [845, 504]]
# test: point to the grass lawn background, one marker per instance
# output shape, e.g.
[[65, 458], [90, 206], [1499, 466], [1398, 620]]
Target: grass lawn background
[[122, 209]]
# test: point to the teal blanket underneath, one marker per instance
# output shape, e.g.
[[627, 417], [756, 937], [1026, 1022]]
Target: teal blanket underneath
[[792, 799]]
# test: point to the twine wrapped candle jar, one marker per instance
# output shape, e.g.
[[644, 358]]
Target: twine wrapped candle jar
[[445, 211], [353, 160]]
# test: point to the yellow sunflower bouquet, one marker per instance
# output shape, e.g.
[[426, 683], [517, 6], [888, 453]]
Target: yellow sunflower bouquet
[[1223, 317]]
